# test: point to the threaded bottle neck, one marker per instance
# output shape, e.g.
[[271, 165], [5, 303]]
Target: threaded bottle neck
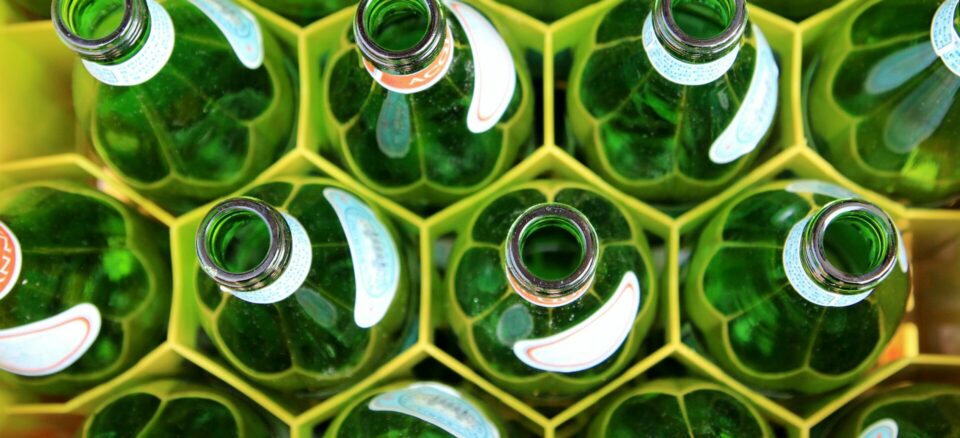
[[699, 31], [400, 37], [102, 31]]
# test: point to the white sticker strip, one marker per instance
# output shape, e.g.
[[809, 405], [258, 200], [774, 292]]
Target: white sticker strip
[[11, 260], [438, 405], [376, 260], [820, 188], [755, 115], [802, 283], [48, 346], [301, 258], [944, 37], [681, 72], [148, 61], [886, 428], [495, 74], [590, 342], [421, 80], [240, 28]]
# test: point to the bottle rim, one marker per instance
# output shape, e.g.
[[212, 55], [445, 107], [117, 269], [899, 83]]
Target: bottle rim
[[544, 292], [132, 26], [815, 257], [273, 263], [407, 61], [680, 42]]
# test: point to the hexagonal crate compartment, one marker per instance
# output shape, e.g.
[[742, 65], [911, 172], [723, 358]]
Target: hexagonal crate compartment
[[926, 347]]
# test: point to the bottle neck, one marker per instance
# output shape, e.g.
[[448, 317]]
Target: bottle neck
[[92, 30], [244, 244], [849, 247], [400, 37], [551, 255], [699, 31]]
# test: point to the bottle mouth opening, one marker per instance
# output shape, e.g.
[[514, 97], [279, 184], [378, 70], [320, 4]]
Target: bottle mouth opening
[[241, 243], [91, 24], [551, 254], [399, 35], [854, 245], [701, 25]]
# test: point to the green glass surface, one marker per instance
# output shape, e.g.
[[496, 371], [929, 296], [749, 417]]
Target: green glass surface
[[548, 11], [883, 107], [359, 421], [416, 148], [309, 341], [171, 408], [190, 133], [34, 9], [754, 322], [796, 10], [922, 410], [645, 134], [489, 317], [397, 25], [679, 408], [551, 251], [304, 12], [239, 242], [80, 246]]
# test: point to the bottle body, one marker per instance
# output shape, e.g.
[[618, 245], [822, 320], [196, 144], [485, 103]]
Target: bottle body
[[548, 11], [550, 352], [427, 409], [168, 124], [305, 11], [679, 407], [920, 410], [170, 407], [663, 127], [763, 315], [882, 105], [34, 9], [794, 9], [334, 324], [87, 296], [430, 135]]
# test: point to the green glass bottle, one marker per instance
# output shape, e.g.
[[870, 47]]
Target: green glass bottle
[[311, 275], [550, 289], [84, 291], [427, 102], [882, 105], [175, 408], [797, 286], [548, 11], [796, 10], [679, 408], [915, 411], [305, 12], [420, 409], [672, 103], [184, 100]]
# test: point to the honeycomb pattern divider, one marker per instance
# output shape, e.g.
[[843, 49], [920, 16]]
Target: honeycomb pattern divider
[[927, 346]]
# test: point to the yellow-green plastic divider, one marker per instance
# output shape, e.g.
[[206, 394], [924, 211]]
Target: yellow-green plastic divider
[[36, 110]]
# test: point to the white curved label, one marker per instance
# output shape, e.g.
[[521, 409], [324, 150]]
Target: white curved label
[[148, 61], [802, 283], [301, 258], [495, 74], [48, 346], [11, 260], [755, 115], [376, 259], [944, 37], [590, 342], [421, 80], [439, 405], [240, 28], [682, 72], [886, 428]]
